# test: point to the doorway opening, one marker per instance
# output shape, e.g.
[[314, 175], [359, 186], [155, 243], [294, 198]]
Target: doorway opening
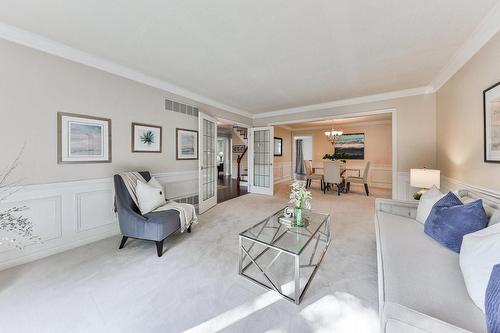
[[232, 160], [364, 144]]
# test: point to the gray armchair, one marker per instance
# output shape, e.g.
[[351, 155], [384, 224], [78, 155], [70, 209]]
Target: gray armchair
[[154, 226]]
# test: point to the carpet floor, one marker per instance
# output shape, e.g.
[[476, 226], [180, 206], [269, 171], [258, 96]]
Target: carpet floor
[[195, 287]]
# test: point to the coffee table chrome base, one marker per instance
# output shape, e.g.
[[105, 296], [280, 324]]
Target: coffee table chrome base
[[298, 293]]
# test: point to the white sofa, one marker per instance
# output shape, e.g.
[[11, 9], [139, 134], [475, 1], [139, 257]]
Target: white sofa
[[421, 287]]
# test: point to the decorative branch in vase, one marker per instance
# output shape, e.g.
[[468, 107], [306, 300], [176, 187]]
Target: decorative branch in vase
[[15, 229], [301, 198]]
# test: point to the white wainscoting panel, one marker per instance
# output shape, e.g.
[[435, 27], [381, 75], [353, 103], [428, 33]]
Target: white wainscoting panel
[[449, 184], [70, 214], [93, 209], [282, 171]]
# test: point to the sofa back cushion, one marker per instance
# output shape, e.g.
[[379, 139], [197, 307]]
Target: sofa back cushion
[[450, 220]]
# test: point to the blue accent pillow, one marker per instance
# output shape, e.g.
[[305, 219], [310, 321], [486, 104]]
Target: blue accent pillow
[[492, 301], [450, 220]]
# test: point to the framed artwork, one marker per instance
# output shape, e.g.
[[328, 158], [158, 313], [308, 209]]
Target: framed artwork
[[491, 106], [83, 139], [278, 146], [352, 146], [238, 149], [146, 138], [186, 144]]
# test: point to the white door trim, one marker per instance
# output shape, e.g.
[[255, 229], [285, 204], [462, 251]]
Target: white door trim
[[204, 205]]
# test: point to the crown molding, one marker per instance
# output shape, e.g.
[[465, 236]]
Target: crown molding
[[50, 46], [350, 101], [485, 30], [289, 128], [340, 126]]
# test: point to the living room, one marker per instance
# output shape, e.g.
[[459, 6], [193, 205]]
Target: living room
[[105, 108]]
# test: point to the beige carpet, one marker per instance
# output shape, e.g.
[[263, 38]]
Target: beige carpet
[[195, 287]]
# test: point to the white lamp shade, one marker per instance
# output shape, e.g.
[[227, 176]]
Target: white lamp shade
[[425, 178]]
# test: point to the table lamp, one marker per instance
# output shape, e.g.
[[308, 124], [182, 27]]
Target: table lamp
[[424, 179]]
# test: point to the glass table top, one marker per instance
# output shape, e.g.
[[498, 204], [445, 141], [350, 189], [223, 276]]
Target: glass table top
[[290, 239]]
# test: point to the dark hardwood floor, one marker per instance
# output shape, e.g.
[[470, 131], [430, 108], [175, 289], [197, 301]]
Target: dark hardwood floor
[[227, 189]]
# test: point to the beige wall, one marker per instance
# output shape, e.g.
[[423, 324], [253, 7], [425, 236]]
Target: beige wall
[[416, 126], [286, 135], [378, 142], [34, 86], [460, 120], [283, 164]]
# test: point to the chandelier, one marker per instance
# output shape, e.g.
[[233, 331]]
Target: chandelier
[[332, 135]]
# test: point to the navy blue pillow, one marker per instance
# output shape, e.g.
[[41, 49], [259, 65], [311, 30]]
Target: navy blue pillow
[[450, 220], [492, 301]]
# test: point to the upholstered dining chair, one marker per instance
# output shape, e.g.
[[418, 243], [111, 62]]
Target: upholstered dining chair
[[312, 176], [360, 180], [332, 176], [154, 226]]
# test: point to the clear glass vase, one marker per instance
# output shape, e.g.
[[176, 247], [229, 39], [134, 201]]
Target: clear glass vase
[[297, 217]]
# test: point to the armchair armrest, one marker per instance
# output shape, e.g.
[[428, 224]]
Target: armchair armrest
[[397, 207]]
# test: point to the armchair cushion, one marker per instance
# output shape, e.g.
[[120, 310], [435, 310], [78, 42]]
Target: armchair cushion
[[149, 196]]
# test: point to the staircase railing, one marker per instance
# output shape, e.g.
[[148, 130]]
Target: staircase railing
[[238, 160]]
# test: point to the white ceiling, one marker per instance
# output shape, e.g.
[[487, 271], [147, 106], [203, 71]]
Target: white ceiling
[[260, 56]]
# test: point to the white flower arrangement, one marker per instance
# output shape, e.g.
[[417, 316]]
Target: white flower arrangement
[[299, 196]]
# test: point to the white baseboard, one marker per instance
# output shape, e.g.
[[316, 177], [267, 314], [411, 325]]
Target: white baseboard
[[70, 214]]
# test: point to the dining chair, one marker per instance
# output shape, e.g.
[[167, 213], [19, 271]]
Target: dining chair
[[360, 180], [332, 170], [311, 175]]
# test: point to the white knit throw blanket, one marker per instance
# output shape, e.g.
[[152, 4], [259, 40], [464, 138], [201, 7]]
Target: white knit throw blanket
[[187, 213]]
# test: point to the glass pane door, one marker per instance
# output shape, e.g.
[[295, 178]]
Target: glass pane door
[[261, 155], [207, 163]]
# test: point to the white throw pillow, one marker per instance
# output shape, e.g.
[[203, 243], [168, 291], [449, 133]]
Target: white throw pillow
[[427, 200], [149, 196], [155, 183], [480, 251]]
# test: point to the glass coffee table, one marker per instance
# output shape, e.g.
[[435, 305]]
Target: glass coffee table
[[281, 258]]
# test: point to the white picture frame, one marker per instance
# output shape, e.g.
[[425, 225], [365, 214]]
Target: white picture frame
[[146, 138], [186, 144], [83, 139]]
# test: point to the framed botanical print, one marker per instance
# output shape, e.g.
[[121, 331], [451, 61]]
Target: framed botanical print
[[186, 144], [146, 138], [278, 146], [491, 106], [83, 139]]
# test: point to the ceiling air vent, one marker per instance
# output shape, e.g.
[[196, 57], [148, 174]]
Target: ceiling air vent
[[181, 108]]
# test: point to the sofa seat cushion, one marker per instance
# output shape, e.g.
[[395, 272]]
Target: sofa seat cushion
[[400, 319], [422, 275]]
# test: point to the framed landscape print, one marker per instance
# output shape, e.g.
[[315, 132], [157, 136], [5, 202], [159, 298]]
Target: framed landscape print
[[146, 138], [491, 106], [83, 139], [351, 145], [278, 146], [186, 144]]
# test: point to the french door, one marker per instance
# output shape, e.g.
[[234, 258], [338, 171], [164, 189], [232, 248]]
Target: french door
[[261, 148], [207, 164]]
